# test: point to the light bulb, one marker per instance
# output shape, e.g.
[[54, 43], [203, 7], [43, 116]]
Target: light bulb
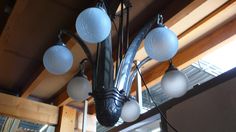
[[58, 59], [161, 44], [130, 111], [174, 83], [78, 88], [93, 25]]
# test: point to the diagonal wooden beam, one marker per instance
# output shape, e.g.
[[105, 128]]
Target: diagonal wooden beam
[[62, 99], [28, 110]]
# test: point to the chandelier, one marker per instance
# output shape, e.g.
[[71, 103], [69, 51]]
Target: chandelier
[[111, 87]]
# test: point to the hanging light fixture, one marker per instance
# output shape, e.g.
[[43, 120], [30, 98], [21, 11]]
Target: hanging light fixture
[[93, 25], [58, 59], [174, 83], [110, 94], [79, 87], [130, 111], [161, 43]]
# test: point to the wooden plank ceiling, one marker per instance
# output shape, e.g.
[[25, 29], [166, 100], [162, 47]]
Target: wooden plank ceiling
[[33, 26]]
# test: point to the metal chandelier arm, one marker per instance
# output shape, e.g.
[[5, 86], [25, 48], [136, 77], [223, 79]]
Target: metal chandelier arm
[[85, 49], [126, 64], [80, 42], [134, 73]]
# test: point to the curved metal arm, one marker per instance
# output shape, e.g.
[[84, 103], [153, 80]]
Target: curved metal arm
[[126, 65], [80, 42], [85, 49], [132, 76]]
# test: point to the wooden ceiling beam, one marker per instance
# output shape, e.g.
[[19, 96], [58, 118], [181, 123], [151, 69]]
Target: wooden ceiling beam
[[208, 17], [62, 99], [28, 110], [67, 119]]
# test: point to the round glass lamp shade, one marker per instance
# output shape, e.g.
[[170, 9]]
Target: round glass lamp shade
[[78, 88], [130, 111], [174, 83], [58, 59], [93, 25], [161, 44]]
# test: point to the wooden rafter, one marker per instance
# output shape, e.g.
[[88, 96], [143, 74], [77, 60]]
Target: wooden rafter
[[28, 110]]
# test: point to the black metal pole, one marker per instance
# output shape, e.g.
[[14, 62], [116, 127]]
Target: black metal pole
[[122, 30], [127, 29]]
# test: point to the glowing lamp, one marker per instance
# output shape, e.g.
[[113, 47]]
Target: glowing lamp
[[58, 59], [93, 25], [174, 83], [161, 44], [130, 111], [78, 88]]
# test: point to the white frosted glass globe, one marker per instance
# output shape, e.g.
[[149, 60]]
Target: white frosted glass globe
[[58, 59], [93, 25], [130, 111], [78, 88], [174, 83], [161, 44]]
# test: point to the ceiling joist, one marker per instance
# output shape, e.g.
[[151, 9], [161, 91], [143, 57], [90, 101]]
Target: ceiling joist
[[28, 110]]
